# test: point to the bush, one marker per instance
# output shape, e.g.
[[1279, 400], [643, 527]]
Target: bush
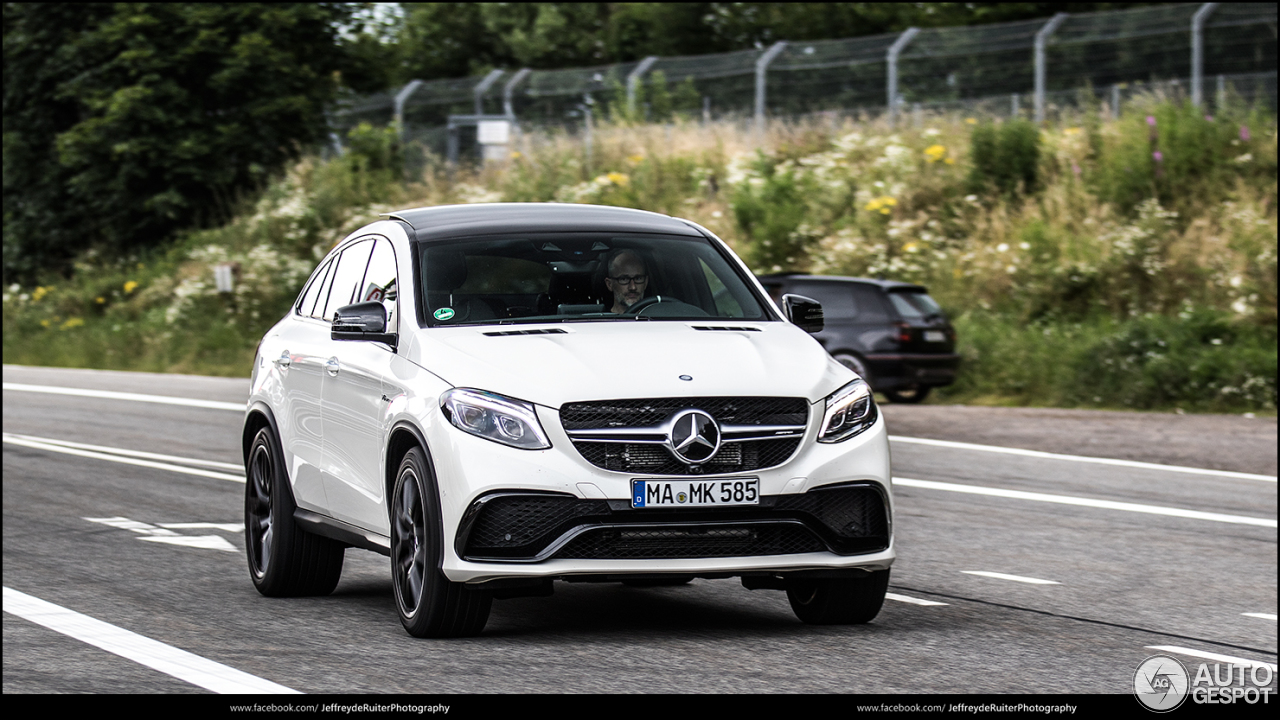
[[1006, 158]]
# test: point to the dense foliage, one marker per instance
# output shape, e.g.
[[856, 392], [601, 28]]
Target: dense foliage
[[124, 123]]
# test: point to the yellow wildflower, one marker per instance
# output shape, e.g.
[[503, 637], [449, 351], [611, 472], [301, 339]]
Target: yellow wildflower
[[45, 323], [38, 293], [100, 300], [635, 159], [619, 179], [516, 155], [881, 204], [130, 286], [71, 322], [1071, 131], [950, 161], [935, 152], [971, 121]]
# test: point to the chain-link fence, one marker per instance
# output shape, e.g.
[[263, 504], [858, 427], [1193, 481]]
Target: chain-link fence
[[1026, 68]]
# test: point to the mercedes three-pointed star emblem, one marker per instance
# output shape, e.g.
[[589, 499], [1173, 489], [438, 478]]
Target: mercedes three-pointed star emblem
[[694, 437]]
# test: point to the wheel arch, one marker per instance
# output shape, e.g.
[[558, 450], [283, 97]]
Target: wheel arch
[[258, 417], [404, 436]]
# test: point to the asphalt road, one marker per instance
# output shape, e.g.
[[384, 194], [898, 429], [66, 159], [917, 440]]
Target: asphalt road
[[1139, 558]]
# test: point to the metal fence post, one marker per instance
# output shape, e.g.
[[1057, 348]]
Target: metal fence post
[[762, 65], [1042, 38], [633, 79], [891, 58], [509, 89], [1197, 51], [482, 87], [401, 98]]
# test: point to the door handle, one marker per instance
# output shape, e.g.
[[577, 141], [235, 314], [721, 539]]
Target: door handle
[[283, 361], [331, 365]]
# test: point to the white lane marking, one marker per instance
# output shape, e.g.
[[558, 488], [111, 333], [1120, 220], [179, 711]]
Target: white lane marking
[[1264, 616], [1015, 578], [154, 654], [239, 407], [131, 453], [168, 536], [114, 458], [1082, 458], [233, 528], [1213, 656], [911, 600], [1086, 502], [136, 397]]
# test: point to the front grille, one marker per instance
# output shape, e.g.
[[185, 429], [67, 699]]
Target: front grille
[[524, 527], [651, 411], [653, 459]]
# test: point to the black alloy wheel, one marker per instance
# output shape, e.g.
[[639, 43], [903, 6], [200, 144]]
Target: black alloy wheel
[[845, 601], [429, 604], [284, 560], [908, 395]]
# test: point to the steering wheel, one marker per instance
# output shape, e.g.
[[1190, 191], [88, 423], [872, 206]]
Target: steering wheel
[[647, 302]]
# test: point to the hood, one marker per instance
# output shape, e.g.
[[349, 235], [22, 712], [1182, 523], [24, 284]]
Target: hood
[[570, 362]]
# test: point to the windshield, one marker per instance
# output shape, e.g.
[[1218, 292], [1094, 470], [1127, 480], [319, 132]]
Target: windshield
[[582, 276]]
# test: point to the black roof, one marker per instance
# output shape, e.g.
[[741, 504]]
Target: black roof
[[885, 284], [454, 221]]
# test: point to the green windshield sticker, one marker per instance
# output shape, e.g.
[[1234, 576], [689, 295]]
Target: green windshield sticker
[[443, 313]]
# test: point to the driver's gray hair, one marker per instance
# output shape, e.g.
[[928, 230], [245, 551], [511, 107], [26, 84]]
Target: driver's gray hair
[[617, 253]]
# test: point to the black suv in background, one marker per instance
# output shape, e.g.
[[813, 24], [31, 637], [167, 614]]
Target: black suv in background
[[891, 333]]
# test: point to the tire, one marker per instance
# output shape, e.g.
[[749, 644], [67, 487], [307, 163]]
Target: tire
[[839, 602], [854, 363], [284, 559], [908, 395], [429, 604]]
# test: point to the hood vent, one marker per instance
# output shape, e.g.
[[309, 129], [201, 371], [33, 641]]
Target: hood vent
[[535, 331], [726, 327]]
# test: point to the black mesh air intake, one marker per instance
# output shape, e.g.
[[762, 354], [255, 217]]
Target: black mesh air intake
[[527, 527]]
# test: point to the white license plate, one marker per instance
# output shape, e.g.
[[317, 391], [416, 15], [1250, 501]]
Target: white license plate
[[695, 493], [934, 336]]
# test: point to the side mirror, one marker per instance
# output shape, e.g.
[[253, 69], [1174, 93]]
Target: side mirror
[[805, 312], [362, 321]]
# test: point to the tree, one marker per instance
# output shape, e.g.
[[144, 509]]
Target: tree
[[124, 123]]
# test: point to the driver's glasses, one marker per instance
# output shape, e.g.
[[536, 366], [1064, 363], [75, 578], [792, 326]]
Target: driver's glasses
[[628, 279]]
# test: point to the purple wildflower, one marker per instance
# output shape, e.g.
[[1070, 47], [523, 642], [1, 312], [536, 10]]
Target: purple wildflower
[[1244, 133], [1208, 118], [1075, 169], [1151, 120], [1159, 156]]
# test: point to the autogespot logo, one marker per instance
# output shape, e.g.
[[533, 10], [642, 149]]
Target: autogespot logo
[[1161, 683]]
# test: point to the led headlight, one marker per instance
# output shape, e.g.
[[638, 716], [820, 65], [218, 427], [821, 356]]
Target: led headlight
[[494, 417], [850, 410]]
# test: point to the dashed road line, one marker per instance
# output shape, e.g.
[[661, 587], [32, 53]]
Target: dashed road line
[[1191, 652], [1014, 578], [1086, 502]]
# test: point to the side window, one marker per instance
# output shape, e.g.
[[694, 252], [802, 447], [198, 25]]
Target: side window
[[380, 280], [871, 304], [307, 302], [836, 299], [348, 276]]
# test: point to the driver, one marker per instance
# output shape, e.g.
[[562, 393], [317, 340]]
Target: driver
[[626, 279]]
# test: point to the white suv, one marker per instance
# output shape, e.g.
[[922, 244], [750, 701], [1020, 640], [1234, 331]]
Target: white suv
[[500, 396]]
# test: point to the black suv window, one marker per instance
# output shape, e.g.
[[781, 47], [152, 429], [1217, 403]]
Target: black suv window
[[913, 304]]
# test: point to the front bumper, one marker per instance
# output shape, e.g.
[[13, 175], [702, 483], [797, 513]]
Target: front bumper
[[512, 514]]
